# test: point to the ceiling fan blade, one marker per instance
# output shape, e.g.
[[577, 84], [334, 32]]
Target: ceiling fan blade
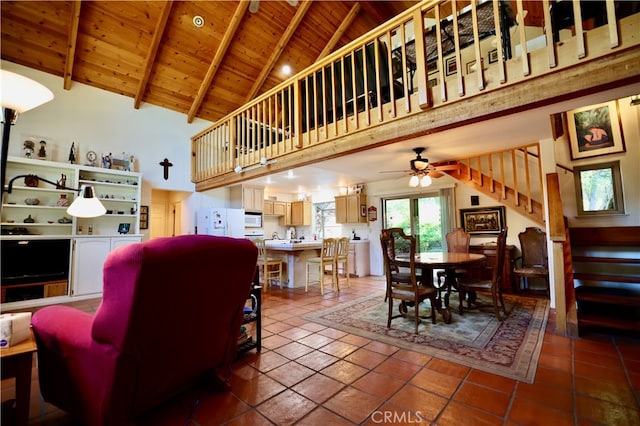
[[254, 5], [447, 167], [435, 174], [394, 171]]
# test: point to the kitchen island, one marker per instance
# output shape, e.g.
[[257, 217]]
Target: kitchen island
[[296, 253]]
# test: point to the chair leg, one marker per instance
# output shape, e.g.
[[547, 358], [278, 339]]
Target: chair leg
[[416, 307], [390, 312], [461, 294]]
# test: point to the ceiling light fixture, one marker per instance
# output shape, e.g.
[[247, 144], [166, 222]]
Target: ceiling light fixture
[[420, 170], [198, 21], [286, 69]]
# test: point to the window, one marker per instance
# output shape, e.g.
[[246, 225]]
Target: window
[[324, 224], [599, 189]]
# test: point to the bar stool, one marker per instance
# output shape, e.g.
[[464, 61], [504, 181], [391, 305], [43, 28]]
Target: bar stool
[[342, 258], [327, 258], [270, 267]]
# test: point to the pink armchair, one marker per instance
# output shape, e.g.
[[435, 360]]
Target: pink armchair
[[169, 319]]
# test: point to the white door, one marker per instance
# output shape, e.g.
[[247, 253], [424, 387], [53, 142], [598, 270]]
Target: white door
[[158, 220], [89, 255]]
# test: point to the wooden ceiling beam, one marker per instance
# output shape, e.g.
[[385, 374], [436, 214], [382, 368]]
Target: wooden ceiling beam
[[72, 41], [303, 7], [346, 22], [217, 59], [153, 51]]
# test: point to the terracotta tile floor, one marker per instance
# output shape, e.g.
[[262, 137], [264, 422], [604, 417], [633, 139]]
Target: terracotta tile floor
[[308, 374]]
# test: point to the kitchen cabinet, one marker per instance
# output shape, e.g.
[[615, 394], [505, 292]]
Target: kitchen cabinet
[[359, 262], [274, 208], [486, 270], [300, 213], [349, 208], [249, 198], [285, 220]]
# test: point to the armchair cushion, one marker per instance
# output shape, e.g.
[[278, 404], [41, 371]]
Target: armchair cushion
[[169, 318]]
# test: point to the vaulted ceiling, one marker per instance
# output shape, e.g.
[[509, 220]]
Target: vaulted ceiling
[[154, 52]]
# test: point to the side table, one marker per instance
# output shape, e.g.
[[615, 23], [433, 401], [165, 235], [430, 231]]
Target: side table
[[17, 361]]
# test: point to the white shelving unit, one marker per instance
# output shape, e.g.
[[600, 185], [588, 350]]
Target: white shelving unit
[[91, 238]]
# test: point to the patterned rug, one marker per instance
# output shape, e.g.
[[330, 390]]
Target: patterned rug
[[510, 348]]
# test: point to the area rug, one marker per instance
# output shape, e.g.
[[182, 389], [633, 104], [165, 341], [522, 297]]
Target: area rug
[[509, 348]]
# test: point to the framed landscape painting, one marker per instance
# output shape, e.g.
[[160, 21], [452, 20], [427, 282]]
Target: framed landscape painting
[[595, 130]]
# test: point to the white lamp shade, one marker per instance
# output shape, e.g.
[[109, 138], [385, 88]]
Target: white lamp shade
[[21, 94], [414, 181], [425, 181], [86, 204]]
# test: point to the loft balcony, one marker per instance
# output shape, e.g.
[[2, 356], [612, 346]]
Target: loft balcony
[[427, 70]]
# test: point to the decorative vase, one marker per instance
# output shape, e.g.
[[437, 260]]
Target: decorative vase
[[29, 220], [63, 201]]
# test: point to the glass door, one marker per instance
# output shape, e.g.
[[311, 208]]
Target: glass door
[[419, 216]]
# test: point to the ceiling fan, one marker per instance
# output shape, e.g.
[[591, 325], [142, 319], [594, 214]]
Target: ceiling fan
[[253, 6], [420, 170]]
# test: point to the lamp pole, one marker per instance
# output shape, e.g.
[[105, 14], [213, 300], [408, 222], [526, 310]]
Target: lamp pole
[[9, 116]]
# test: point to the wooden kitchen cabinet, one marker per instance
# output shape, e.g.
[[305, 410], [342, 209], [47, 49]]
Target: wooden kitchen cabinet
[[274, 208], [349, 208], [300, 213], [249, 198], [486, 270]]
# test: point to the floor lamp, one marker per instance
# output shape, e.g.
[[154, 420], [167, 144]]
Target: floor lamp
[[20, 94]]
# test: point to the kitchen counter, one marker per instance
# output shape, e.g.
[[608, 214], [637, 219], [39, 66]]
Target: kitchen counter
[[296, 252]]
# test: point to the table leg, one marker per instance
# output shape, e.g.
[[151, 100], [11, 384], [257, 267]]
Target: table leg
[[445, 312], [19, 366]]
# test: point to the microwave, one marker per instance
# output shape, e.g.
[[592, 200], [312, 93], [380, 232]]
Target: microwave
[[252, 220]]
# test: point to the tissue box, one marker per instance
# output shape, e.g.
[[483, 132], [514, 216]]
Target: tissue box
[[14, 328]]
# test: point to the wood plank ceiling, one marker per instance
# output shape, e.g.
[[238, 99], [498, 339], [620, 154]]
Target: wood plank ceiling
[[152, 52]]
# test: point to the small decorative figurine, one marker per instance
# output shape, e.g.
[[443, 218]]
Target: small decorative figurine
[[42, 152], [106, 161], [29, 148], [62, 183], [63, 201], [29, 220], [72, 153]]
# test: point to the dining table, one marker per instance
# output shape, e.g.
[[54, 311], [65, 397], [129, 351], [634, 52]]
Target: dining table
[[428, 261]]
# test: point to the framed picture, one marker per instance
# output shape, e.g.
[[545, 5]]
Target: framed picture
[[483, 221], [471, 68], [144, 217], [493, 56], [451, 66], [433, 82], [123, 228], [595, 130]]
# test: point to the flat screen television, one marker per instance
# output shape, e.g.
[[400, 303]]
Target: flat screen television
[[34, 261]]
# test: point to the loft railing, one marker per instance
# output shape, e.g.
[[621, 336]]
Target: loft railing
[[390, 74]]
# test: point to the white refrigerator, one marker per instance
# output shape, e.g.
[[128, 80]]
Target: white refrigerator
[[221, 222]]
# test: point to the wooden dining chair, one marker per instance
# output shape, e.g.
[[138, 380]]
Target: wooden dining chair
[[327, 258], [270, 267], [534, 262], [342, 258], [458, 241], [469, 285], [404, 285]]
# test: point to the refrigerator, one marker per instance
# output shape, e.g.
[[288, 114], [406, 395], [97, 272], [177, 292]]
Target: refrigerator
[[221, 222]]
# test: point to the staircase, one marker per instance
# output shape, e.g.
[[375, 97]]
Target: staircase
[[512, 177]]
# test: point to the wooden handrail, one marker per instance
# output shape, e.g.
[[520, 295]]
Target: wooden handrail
[[381, 78]]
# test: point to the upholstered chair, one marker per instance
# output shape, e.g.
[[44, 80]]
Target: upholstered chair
[[169, 319]]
